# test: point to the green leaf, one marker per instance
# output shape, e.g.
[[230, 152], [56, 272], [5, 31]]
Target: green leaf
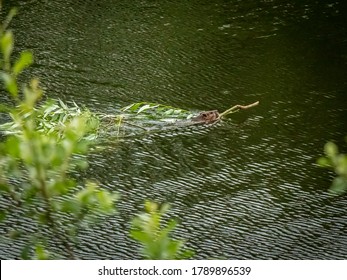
[[12, 146], [5, 108], [25, 60], [26, 153], [147, 228], [140, 236], [85, 196], [9, 17], [150, 206], [6, 44], [169, 112], [70, 206], [32, 93], [132, 107], [10, 83], [324, 162], [331, 149], [106, 201], [40, 252], [164, 208], [177, 111], [338, 186], [143, 108], [170, 227], [4, 187], [81, 164], [63, 105], [341, 165], [173, 248], [61, 187]]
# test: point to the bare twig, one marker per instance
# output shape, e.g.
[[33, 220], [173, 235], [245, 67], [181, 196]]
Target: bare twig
[[236, 108]]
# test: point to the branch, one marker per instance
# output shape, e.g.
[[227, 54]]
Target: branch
[[236, 108]]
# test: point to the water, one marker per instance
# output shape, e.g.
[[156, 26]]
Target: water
[[247, 188]]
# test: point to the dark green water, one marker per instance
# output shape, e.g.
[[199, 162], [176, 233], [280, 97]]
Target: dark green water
[[247, 188]]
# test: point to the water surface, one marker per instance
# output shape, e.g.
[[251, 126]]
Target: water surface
[[247, 188]]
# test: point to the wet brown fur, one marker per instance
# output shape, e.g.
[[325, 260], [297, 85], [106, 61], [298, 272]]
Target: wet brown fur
[[206, 117]]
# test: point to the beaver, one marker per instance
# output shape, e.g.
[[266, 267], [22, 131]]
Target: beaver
[[206, 117]]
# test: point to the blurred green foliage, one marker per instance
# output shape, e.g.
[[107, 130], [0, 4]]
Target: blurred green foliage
[[41, 147], [154, 237], [35, 164], [337, 162]]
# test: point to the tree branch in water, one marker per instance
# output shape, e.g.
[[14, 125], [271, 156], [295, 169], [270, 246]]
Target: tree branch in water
[[236, 108]]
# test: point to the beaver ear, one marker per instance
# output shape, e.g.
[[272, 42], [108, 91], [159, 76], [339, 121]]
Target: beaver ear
[[204, 115]]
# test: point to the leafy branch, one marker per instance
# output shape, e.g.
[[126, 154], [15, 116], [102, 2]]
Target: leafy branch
[[154, 237], [337, 162], [35, 160]]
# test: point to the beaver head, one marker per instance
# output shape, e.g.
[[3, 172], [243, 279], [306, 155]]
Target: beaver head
[[206, 117]]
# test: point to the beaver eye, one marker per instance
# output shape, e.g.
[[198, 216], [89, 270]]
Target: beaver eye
[[204, 115]]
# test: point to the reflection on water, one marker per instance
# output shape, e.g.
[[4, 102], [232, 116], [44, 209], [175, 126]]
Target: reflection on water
[[245, 188]]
